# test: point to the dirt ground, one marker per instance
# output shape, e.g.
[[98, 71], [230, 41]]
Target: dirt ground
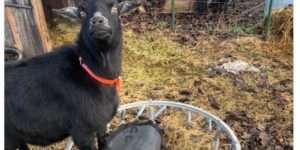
[[159, 64]]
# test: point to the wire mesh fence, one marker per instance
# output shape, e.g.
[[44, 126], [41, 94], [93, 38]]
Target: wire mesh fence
[[201, 17], [196, 17]]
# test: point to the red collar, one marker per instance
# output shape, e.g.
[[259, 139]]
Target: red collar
[[115, 81]]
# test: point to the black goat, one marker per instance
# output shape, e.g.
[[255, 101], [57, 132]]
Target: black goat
[[52, 96]]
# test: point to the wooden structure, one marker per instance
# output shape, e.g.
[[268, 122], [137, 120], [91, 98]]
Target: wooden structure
[[26, 28], [180, 5]]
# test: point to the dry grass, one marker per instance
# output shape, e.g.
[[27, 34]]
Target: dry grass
[[282, 28], [158, 68], [155, 67]]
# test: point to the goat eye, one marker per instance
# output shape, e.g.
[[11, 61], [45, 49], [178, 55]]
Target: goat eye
[[114, 10]]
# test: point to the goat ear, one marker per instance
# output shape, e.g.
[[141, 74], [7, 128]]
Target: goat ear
[[81, 14], [126, 7], [70, 13], [81, 9]]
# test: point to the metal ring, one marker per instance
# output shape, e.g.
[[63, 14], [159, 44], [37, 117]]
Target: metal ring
[[235, 144], [15, 51]]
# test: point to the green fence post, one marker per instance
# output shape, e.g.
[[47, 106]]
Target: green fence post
[[173, 15], [268, 25]]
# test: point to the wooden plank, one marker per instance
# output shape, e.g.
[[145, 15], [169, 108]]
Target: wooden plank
[[33, 33], [31, 29], [180, 6], [37, 41], [25, 37], [9, 39], [21, 2], [26, 33], [15, 32], [41, 24]]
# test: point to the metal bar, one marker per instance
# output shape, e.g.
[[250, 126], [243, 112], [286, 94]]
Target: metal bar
[[173, 15], [221, 125], [234, 145], [191, 108], [121, 117], [209, 126], [268, 24], [216, 139], [18, 6], [161, 109], [14, 50], [188, 118], [140, 112], [151, 113]]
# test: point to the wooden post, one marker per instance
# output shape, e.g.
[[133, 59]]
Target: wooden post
[[41, 24], [13, 25], [26, 28]]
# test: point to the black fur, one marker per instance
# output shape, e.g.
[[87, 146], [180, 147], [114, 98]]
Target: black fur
[[51, 97]]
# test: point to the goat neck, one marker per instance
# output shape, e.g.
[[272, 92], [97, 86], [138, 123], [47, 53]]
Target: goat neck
[[104, 59]]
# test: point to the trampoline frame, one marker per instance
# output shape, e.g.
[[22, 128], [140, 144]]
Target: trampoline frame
[[163, 105]]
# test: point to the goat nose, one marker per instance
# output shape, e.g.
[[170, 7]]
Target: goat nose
[[97, 20]]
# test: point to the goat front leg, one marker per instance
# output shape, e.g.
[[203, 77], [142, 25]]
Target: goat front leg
[[12, 144], [84, 140], [102, 139]]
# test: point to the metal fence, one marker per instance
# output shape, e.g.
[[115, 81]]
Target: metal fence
[[212, 16], [204, 16]]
